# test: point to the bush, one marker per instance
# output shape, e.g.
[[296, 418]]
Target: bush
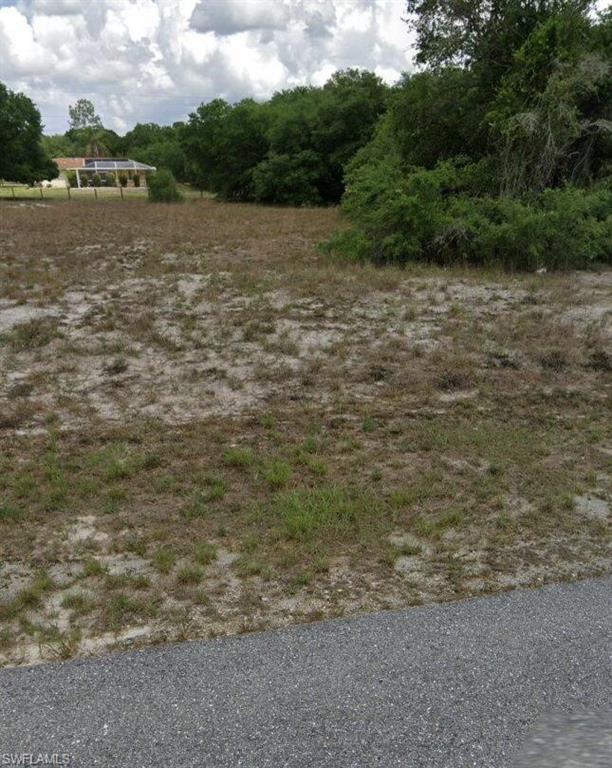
[[436, 216], [71, 178], [136, 180], [162, 188], [123, 179], [97, 180], [111, 181], [288, 180]]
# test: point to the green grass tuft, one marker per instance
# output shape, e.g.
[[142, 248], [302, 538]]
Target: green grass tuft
[[332, 510], [204, 553], [163, 560], [239, 457], [277, 473]]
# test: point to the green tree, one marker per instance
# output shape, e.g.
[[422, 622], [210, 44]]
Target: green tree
[[91, 142], [156, 145], [436, 115], [87, 135], [23, 157], [83, 115], [162, 188], [332, 122], [223, 144], [289, 179], [163, 154], [486, 32], [308, 133], [553, 112], [527, 81], [58, 145], [352, 101]]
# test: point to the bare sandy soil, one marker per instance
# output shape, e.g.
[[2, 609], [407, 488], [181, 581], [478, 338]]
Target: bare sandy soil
[[209, 426]]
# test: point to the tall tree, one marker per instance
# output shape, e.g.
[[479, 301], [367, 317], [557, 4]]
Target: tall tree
[[482, 34], [553, 112], [23, 157], [464, 31], [224, 143], [83, 115], [86, 129]]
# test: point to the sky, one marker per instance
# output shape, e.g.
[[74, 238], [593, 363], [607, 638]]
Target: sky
[[156, 60]]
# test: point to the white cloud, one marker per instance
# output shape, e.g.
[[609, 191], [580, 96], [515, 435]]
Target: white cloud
[[57, 7], [232, 16], [23, 53], [141, 60]]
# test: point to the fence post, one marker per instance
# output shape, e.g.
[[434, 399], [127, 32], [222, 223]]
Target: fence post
[[201, 194], [96, 192], [13, 191], [68, 190], [121, 191], [41, 193]]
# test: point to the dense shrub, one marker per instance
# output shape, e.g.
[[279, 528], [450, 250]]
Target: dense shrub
[[434, 216], [288, 179], [136, 180], [163, 188], [97, 180], [123, 179], [71, 178]]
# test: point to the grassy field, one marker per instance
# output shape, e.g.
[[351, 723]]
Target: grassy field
[[209, 427], [88, 194]]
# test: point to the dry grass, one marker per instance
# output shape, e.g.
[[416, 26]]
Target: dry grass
[[207, 427]]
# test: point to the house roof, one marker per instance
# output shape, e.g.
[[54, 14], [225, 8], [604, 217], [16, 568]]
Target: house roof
[[101, 164], [69, 163]]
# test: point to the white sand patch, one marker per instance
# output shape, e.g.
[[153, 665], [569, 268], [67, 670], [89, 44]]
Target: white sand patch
[[17, 314], [592, 506]]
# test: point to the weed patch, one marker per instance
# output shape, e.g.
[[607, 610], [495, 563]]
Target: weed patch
[[309, 514], [34, 334]]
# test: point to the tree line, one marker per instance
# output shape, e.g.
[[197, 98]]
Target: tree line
[[498, 150], [292, 149], [289, 150]]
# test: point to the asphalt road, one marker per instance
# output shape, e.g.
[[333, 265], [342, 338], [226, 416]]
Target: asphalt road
[[452, 685]]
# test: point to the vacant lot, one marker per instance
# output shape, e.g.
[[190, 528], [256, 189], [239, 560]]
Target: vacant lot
[[208, 426]]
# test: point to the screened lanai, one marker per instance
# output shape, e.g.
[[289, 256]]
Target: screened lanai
[[109, 169]]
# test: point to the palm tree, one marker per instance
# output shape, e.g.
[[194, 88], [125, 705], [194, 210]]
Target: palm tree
[[95, 146]]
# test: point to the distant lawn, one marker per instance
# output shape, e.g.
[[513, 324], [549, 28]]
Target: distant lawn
[[17, 192]]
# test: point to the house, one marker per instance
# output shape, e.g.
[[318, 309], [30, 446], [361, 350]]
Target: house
[[109, 169]]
